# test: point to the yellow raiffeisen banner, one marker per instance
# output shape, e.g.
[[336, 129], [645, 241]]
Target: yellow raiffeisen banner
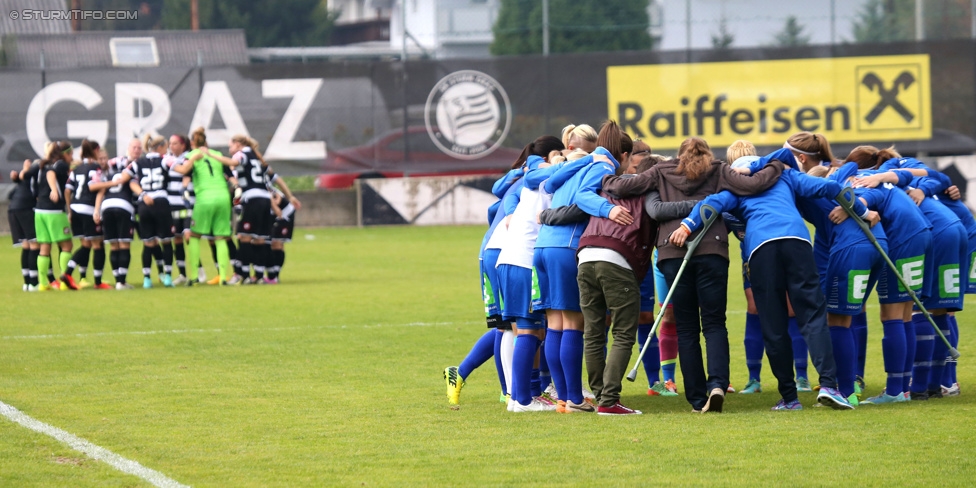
[[877, 98]]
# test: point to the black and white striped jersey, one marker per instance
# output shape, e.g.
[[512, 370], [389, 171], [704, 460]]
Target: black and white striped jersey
[[152, 175]]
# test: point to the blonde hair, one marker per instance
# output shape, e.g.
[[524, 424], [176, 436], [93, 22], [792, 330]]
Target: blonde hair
[[149, 142], [582, 135], [576, 154], [556, 157], [738, 149], [819, 171], [251, 143]]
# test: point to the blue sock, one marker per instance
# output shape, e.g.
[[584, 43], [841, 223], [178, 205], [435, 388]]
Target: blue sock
[[949, 374], [554, 340], [843, 341], [893, 349], [800, 350], [652, 358], [534, 383], [544, 378], [525, 346], [906, 380], [939, 352], [924, 342], [753, 343], [498, 361], [571, 358], [667, 371], [482, 351], [859, 327]]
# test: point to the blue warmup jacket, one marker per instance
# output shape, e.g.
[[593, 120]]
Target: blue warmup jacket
[[773, 213], [578, 182]]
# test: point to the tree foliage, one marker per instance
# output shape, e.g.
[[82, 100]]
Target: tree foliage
[[792, 34], [722, 39], [894, 20], [574, 26], [278, 23]]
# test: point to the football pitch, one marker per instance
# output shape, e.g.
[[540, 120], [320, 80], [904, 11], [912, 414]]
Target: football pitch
[[334, 377]]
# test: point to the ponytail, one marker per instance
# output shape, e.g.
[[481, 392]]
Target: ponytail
[[614, 140], [198, 137], [89, 149], [541, 147], [150, 142]]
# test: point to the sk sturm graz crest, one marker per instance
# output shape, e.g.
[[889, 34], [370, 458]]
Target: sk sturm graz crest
[[468, 114]]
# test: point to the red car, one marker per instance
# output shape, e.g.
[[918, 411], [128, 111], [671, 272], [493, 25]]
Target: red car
[[383, 157]]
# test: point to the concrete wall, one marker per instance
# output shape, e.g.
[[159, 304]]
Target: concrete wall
[[319, 209]]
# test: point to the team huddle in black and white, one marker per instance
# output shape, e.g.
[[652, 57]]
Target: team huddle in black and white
[[165, 191]]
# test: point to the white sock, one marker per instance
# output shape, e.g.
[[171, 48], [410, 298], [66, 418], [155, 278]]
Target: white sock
[[508, 351]]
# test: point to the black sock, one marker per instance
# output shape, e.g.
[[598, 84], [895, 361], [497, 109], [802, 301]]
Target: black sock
[[263, 259], [113, 261], [147, 255], [244, 259], [280, 262], [157, 252], [24, 267], [80, 260], [125, 258], [98, 264], [32, 265], [179, 253], [168, 257]]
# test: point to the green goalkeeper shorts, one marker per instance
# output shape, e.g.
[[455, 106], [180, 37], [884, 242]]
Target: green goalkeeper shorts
[[51, 227], [211, 218]]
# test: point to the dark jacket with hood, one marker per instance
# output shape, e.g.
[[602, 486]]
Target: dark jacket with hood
[[676, 187]]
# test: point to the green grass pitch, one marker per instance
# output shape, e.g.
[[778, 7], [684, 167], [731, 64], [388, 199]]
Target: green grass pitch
[[334, 378]]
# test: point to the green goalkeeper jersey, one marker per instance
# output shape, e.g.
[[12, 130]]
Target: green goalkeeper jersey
[[208, 178]]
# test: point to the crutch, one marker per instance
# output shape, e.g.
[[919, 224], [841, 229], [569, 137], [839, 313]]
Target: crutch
[[708, 215], [846, 200]]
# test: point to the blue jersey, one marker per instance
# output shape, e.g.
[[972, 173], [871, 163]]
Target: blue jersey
[[580, 188], [773, 213]]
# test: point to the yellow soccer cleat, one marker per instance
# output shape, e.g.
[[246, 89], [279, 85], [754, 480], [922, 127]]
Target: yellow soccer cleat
[[454, 384]]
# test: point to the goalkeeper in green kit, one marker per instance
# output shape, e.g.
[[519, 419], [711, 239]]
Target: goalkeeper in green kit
[[212, 208]]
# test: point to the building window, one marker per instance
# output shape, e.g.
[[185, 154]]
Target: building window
[[134, 51]]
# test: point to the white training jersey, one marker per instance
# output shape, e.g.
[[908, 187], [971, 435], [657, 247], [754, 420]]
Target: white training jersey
[[497, 237], [523, 229]]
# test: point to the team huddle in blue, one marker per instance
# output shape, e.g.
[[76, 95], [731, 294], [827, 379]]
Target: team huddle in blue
[[587, 226]]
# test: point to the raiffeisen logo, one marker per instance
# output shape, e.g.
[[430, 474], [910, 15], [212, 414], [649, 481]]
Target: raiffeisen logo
[[847, 99]]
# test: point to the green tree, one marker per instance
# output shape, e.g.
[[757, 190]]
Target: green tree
[[723, 39], [574, 26], [894, 20], [792, 34], [278, 23]]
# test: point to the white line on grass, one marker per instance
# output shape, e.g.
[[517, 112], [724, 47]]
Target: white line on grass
[[247, 329], [91, 450]]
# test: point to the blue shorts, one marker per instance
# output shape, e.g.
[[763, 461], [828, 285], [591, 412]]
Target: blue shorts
[[971, 273], [943, 282], [968, 271], [489, 283], [660, 284], [909, 258], [516, 294], [647, 293], [555, 273], [849, 276]]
